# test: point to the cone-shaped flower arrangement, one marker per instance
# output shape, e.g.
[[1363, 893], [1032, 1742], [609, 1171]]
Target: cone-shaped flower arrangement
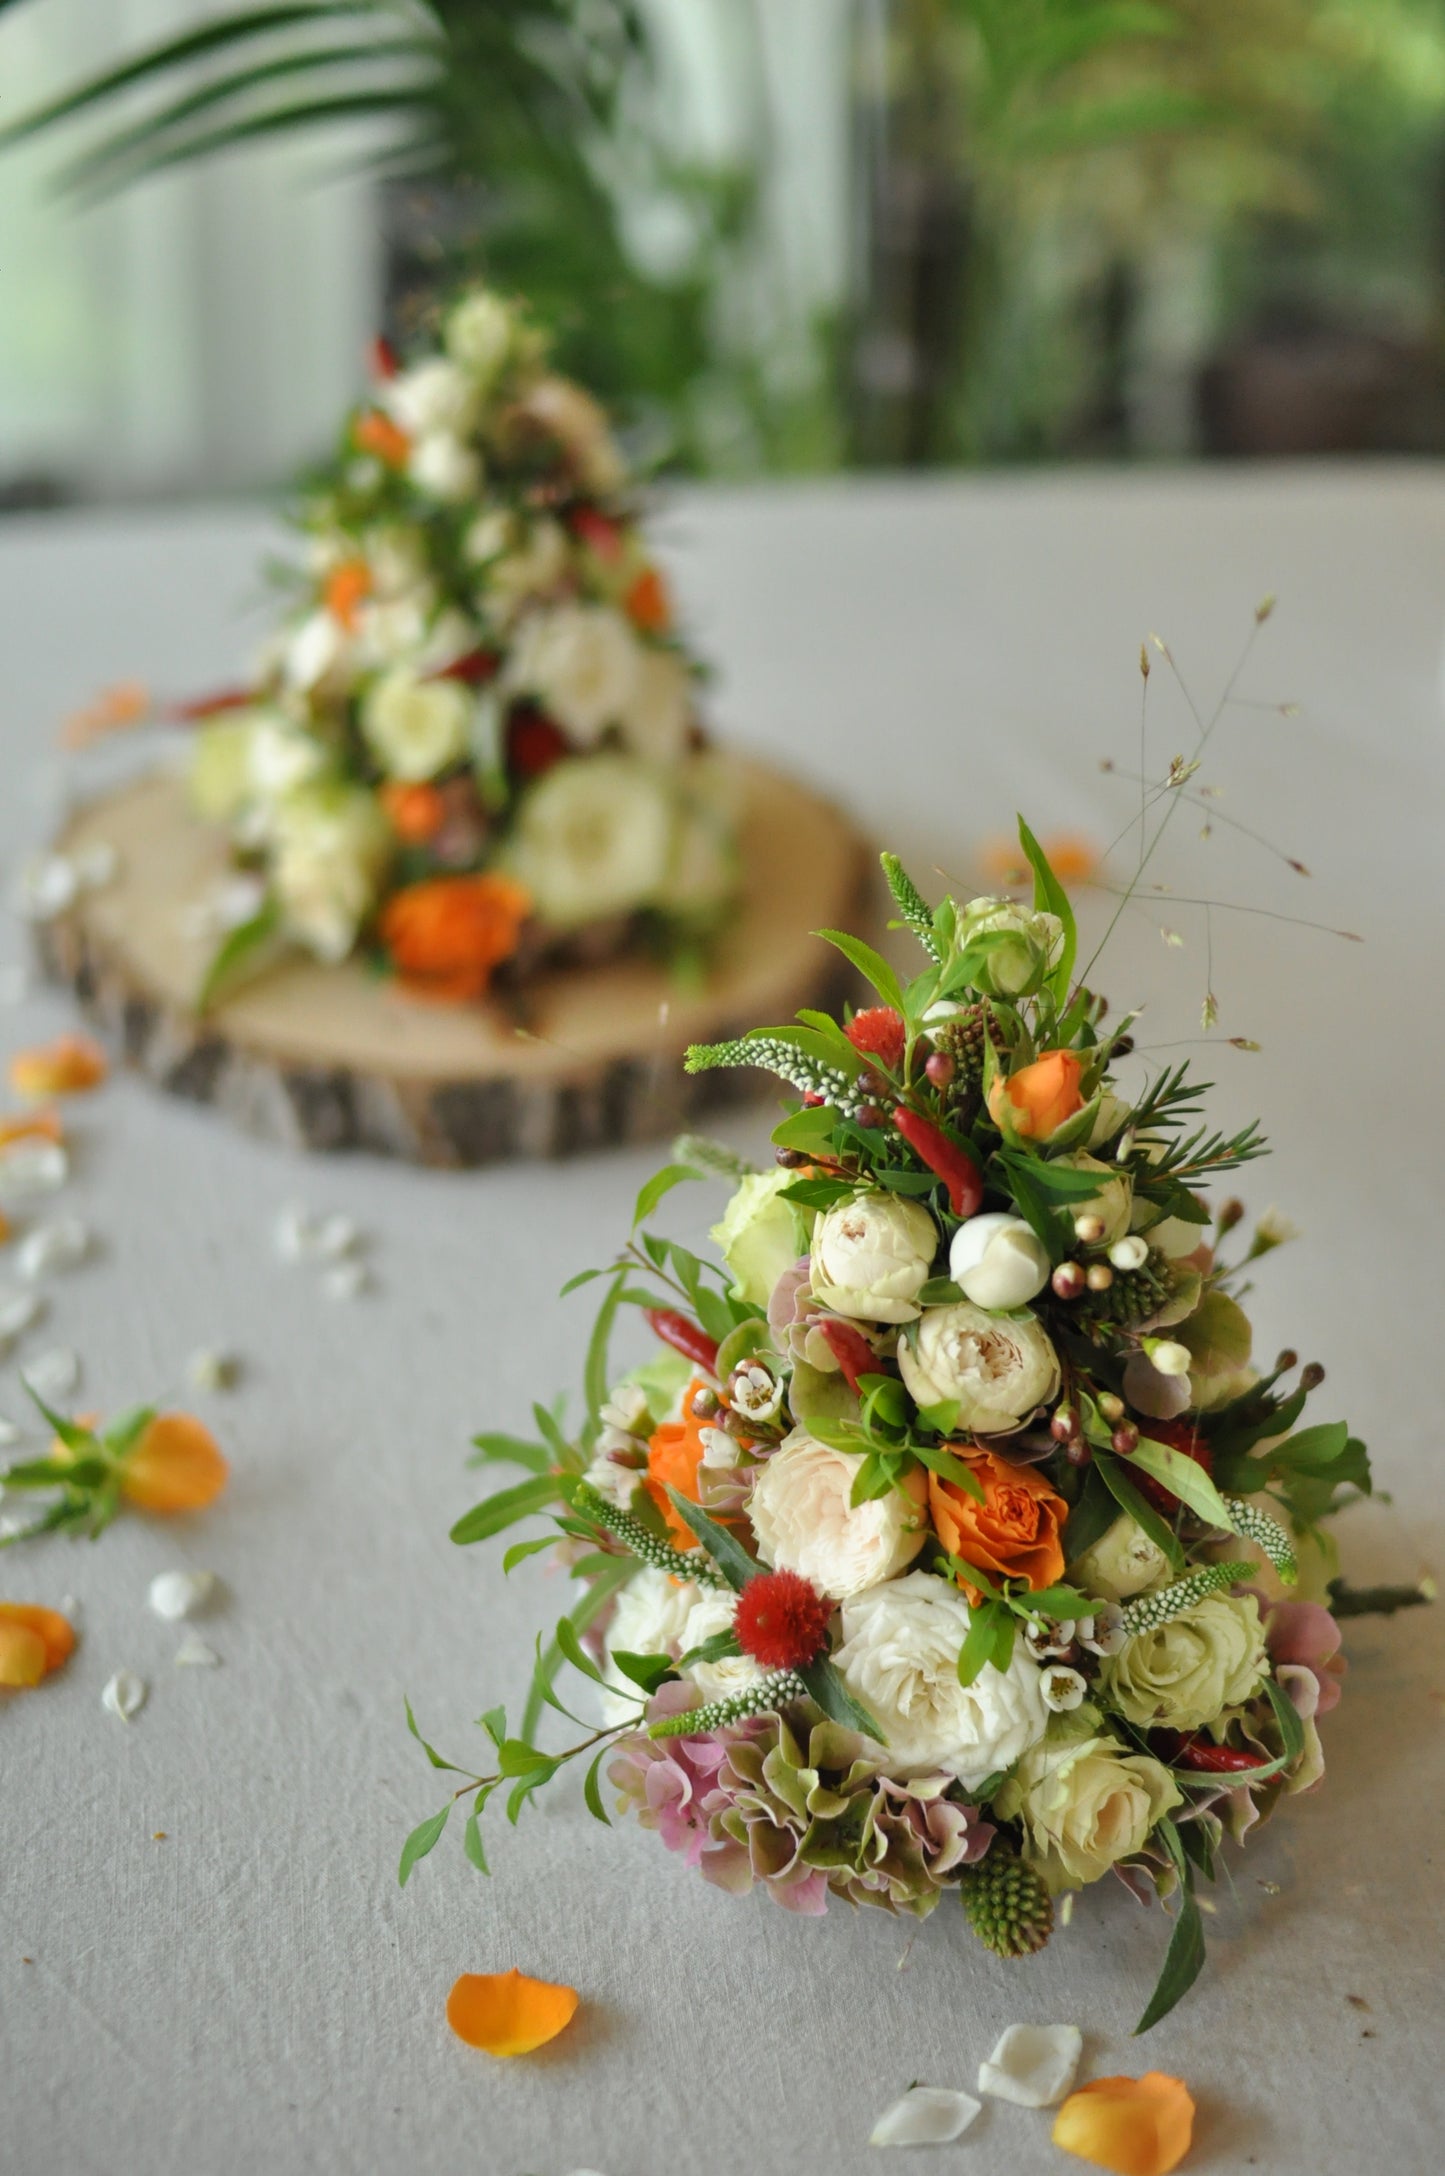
[[947, 1539]]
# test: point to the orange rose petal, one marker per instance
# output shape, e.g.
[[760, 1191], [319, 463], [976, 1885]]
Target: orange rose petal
[[69, 1066], [506, 2013], [1135, 2126], [36, 1126], [376, 434], [176, 1466], [647, 604], [113, 709], [345, 590], [1073, 858], [33, 1641]]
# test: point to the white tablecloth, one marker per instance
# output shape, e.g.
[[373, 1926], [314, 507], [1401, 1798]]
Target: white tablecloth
[[253, 1991]]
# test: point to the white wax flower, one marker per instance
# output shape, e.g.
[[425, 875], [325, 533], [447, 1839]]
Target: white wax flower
[[872, 1256], [414, 727], [899, 1657], [580, 662], [998, 1261], [806, 1522], [996, 1369], [591, 839]]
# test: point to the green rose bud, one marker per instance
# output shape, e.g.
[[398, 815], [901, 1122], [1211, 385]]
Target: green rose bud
[[761, 1235], [1122, 1562], [1018, 945], [1184, 1674], [1112, 1205], [1084, 1801]]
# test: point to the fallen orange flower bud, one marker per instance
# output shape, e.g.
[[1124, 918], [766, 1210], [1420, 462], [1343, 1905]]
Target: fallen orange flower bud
[[33, 1642], [40, 1125], [1135, 2126], [70, 1066], [346, 589], [506, 2013], [113, 709], [176, 1466]]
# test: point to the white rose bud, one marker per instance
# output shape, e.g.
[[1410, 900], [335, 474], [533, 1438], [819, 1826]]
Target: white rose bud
[[1168, 1355], [899, 1657], [1024, 947], [998, 1261], [1085, 1801], [997, 1370], [761, 1235], [872, 1256], [1185, 1673], [805, 1520], [416, 728]]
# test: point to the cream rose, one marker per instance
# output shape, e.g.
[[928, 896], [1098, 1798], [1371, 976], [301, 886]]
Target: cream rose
[[760, 1236], [1084, 1801], [415, 728], [580, 662], [331, 846], [659, 709], [1185, 1673], [872, 1256], [432, 398], [478, 336], [1121, 1563], [592, 839], [899, 1657], [805, 1520], [998, 1261], [445, 468], [712, 1614], [997, 1368], [650, 1619]]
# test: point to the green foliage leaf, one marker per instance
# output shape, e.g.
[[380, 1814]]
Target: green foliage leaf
[[1291, 1729], [726, 1551], [1127, 1497], [1184, 1958], [810, 1129], [1051, 898], [240, 949], [611, 1575], [647, 1672], [472, 1842], [827, 1689], [423, 1838], [977, 1650], [569, 1642], [591, 1790], [658, 1187], [430, 1750], [505, 1508], [870, 964], [511, 1451], [595, 1383], [1184, 1479]]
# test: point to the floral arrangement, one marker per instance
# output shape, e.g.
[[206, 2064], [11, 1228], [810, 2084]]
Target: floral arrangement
[[474, 744], [950, 1540]]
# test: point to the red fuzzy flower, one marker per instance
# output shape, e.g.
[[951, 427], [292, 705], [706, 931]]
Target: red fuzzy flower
[[1179, 1436], [782, 1620], [878, 1033]]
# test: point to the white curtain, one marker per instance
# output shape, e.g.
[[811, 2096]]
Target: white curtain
[[201, 332]]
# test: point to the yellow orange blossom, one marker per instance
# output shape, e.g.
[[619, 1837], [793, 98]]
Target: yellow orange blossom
[[446, 935], [1135, 2126], [647, 604], [113, 709], [507, 2013], [36, 1125], [33, 1642], [376, 434], [70, 1066], [346, 589], [1039, 1097]]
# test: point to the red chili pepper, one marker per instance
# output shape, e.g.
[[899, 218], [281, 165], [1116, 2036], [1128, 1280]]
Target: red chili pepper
[[850, 1348], [684, 1335], [957, 1169], [206, 706], [477, 666], [1222, 1760], [383, 358]]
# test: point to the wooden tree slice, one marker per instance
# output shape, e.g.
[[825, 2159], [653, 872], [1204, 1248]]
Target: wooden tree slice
[[337, 1057]]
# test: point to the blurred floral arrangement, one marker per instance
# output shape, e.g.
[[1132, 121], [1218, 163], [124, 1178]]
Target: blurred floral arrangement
[[474, 745], [950, 1542]]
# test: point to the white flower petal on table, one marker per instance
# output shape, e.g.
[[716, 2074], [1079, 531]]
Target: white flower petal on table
[[53, 1374], [48, 1250], [19, 1311], [29, 1168], [208, 1369], [927, 2115], [1033, 2065], [9, 1433], [347, 1281], [47, 885], [295, 1233], [194, 1654], [124, 1695], [336, 1237], [174, 1595]]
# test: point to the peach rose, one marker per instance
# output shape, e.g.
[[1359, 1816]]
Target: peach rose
[[1040, 1097], [1013, 1534]]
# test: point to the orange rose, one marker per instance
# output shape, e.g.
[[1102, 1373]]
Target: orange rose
[[673, 1457], [1013, 1534], [1040, 1097], [415, 813], [647, 604], [446, 935], [376, 434], [346, 589]]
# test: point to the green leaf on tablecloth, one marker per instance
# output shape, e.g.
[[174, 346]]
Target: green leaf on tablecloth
[[423, 1838]]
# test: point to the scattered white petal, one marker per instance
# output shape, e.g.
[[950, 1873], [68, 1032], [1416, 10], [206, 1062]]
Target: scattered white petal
[[30, 1167], [48, 1250], [96, 865], [14, 984], [9, 1433], [927, 2115], [70, 1607], [295, 1233], [336, 1237], [194, 1654], [53, 1374], [1066, 1909], [18, 1311], [223, 909], [47, 885], [124, 1695], [347, 1281], [1033, 2065], [209, 1370], [10, 1526], [174, 1595]]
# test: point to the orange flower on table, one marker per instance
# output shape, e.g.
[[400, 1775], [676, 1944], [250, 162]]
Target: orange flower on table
[[673, 1457], [1135, 2126], [70, 1066], [34, 1126], [112, 711], [345, 591], [1073, 858], [415, 813], [376, 434], [508, 2013], [1015, 1533], [177, 1465], [33, 1642], [447, 934], [1039, 1098], [647, 603]]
